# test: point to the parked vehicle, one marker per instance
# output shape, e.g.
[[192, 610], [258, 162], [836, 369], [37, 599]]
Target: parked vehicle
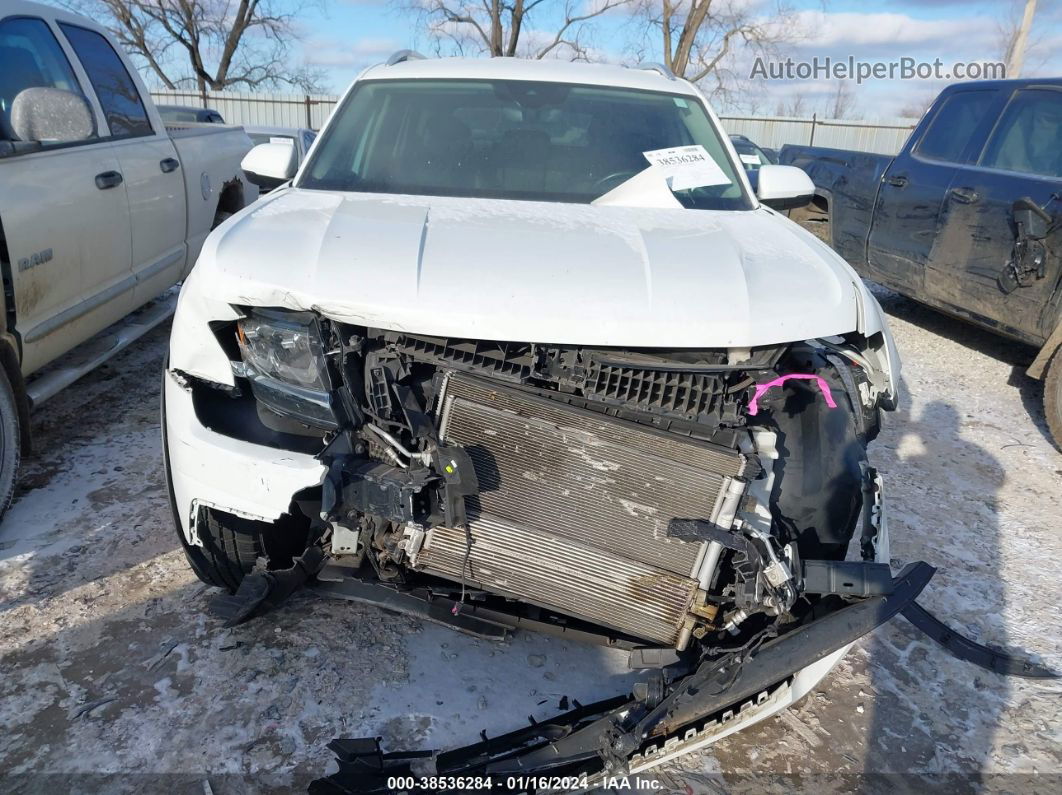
[[967, 218], [751, 155], [102, 209], [519, 347], [189, 114], [300, 139]]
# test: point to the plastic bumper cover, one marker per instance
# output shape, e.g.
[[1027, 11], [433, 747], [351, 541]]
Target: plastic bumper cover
[[210, 469]]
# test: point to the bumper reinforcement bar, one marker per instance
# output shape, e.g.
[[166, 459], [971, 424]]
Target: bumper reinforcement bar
[[602, 737]]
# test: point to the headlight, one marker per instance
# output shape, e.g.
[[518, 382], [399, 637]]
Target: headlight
[[284, 359]]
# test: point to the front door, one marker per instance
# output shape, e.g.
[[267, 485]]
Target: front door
[[1022, 158], [907, 211], [65, 216], [149, 165]]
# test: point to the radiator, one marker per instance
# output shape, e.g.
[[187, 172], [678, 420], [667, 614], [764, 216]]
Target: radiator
[[573, 508]]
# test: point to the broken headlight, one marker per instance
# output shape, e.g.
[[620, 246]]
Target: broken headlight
[[284, 359]]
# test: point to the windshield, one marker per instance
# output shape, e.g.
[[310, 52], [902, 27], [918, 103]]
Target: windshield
[[511, 139]]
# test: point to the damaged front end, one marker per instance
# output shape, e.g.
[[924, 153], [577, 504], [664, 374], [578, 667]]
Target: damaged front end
[[694, 507]]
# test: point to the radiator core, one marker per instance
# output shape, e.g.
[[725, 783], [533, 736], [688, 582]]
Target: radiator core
[[573, 508]]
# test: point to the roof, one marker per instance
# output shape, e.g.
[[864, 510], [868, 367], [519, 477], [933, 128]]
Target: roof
[[15, 8], [263, 129], [1018, 82], [546, 70]]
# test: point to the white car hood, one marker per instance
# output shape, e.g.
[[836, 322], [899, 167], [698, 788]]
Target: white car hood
[[534, 271]]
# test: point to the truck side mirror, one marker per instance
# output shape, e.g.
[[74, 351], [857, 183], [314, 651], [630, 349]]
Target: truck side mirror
[[52, 115], [1031, 219], [783, 187], [271, 165]]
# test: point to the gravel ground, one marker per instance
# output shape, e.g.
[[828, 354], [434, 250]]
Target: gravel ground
[[113, 674]]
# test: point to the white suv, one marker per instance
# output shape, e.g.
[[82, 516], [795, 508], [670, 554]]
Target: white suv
[[521, 344]]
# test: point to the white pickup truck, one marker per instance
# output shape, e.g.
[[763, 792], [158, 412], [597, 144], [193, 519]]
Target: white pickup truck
[[102, 208]]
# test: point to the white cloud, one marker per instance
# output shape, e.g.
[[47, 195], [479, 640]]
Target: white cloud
[[336, 54], [884, 33]]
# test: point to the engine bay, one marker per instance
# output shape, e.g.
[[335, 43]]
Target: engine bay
[[638, 497]]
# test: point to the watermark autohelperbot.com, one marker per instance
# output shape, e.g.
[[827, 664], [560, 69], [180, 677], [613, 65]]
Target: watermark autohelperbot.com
[[851, 68]]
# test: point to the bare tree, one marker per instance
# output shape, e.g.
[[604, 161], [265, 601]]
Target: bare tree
[[842, 102], [795, 105], [918, 104], [701, 38], [213, 44], [504, 28]]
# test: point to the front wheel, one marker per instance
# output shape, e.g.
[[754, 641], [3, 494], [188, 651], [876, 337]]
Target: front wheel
[[1053, 397], [10, 442]]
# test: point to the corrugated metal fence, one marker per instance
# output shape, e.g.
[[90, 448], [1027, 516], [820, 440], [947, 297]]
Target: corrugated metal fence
[[886, 138], [273, 110], [311, 110]]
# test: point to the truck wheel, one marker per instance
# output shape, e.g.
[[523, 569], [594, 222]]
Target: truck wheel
[[10, 442], [1053, 397]]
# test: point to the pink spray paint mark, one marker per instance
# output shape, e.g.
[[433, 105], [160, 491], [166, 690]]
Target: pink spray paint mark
[[761, 389]]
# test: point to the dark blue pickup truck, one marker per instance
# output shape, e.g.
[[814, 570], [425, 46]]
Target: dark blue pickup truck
[[967, 218]]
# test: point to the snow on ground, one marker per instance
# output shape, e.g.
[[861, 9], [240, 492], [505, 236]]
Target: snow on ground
[[112, 673]]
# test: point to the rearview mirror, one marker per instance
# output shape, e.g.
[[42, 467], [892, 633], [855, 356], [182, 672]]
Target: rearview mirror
[[52, 115], [271, 165], [783, 187]]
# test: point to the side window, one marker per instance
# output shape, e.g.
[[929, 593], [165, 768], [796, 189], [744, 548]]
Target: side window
[[115, 89], [31, 58], [307, 140], [954, 125], [1028, 134]]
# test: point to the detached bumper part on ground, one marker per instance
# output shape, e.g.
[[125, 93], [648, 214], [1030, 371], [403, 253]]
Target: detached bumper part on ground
[[699, 705]]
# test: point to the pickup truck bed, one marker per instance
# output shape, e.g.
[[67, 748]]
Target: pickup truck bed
[[846, 183]]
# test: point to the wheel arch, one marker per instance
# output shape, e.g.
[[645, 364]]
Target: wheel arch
[[1043, 357], [9, 359], [10, 348]]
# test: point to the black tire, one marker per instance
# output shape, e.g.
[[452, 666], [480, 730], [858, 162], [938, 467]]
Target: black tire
[[231, 544], [10, 442], [1053, 397]]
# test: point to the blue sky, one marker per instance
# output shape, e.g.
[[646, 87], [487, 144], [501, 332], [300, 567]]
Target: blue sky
[[342, 36]]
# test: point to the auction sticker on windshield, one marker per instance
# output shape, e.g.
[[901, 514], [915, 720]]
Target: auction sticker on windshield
[[687, 167]]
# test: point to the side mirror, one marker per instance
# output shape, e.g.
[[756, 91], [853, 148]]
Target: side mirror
[[271, 165], [1031, 218], [52, 115], [783, 187]]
